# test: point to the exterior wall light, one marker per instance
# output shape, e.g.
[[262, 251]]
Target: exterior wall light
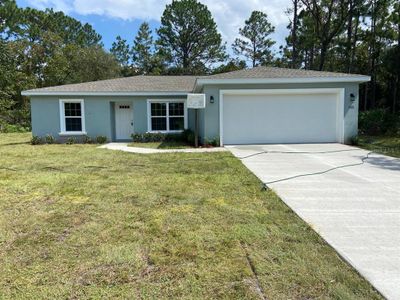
[[352, 97], [211, 99]]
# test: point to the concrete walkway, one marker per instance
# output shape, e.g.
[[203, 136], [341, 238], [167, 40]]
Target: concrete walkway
[[356, 209], [126, 148]]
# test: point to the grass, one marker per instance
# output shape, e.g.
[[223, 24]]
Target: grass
[[381, 144], [80, 222], [162, 145]]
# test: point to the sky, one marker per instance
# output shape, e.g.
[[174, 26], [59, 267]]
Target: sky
[[123, 17]]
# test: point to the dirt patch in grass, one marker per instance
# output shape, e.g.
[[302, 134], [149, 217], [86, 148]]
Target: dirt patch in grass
[[153, 226]]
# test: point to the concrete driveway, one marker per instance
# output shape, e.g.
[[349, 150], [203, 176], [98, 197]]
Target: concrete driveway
[[356, 209]]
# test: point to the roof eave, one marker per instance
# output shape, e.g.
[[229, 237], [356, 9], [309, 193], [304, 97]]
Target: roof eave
[[75, 93], [353, 79]]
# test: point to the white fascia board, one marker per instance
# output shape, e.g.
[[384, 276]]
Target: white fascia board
[[44, 93], [355, 79]]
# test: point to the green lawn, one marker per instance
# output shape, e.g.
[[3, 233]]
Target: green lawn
[[80, 222], [162, 145], [381, 144]]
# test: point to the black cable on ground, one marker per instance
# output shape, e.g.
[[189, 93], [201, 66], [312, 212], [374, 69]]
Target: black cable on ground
[[363, 159], [297, 152]]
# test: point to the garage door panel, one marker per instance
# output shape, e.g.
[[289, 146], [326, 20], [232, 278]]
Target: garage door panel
[[279, 118]]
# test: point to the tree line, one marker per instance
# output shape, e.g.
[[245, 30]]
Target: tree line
[[44, 48]]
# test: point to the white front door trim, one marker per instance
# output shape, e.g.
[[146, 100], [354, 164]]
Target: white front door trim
[[338, 91], [123, 123]]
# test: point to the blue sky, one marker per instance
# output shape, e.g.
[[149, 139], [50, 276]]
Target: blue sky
[[123, 17]]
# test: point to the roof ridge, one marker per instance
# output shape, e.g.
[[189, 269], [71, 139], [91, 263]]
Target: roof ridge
[[189, 83]]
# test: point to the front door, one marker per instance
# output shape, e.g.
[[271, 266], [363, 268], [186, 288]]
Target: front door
[[123, 121]]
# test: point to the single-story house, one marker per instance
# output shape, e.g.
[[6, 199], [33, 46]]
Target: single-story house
[[251, 106]]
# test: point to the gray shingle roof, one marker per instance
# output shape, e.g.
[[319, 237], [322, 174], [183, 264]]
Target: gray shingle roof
[[129, 84], [270, 72], [183, 84]]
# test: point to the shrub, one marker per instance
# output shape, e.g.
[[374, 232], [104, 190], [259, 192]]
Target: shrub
[[36, 140], [188, 136], [101, 139], [71, 140], [355, 140], [50, 139], [87, 139], [175, 137], [211, 142], [379, 121], [150, 137], [10, 128]]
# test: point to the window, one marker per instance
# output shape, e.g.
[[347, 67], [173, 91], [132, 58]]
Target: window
[[72, 117], [168, 116]]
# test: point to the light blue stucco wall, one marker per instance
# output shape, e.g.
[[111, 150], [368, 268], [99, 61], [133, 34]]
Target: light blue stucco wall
[[99, 114], [211, 113], [100, 117]]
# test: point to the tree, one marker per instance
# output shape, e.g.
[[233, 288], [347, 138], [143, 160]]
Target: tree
[[144, 55], [329, 17], [293, 39], [391, 63], [70, 30], [188, 37], [13, 79], [10, 17], [231, 65], [301, 44], [74, 64], [120, 50], [255, 43], [7, 74], [41, 48]]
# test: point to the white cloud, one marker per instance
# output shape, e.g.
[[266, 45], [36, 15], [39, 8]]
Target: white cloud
[[58, 5], [123, 9], [229, 14]]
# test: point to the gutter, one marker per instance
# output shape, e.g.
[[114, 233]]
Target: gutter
[[208, 81], [55, 93]]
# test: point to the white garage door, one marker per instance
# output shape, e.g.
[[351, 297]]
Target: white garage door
[[296, 117]]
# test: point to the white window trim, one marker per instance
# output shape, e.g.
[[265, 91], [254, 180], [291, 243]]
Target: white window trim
[[62, 117], [185, 115]]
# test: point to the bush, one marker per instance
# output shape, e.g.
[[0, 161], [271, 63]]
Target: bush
[[36, 140], [152, 137], [71, 140], [101, 139], [212, 142], [355, 140], [379, 122], [50, 139], [149, 137], [87, 139], [188, 136], [10, 128]]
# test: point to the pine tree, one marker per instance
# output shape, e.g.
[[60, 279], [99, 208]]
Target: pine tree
[[255, 43], [120, 50], [143, 52], [188, 37]]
